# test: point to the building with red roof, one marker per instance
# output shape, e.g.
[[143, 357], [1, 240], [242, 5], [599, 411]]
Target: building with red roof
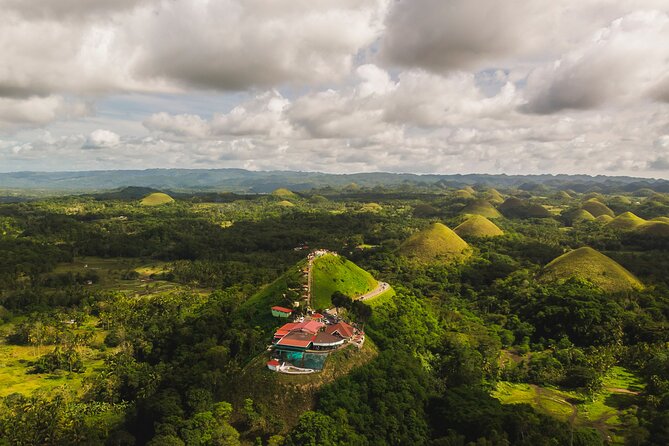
[[278, 311], [273, 365], [324, 341], [295, 340], [341, 329]]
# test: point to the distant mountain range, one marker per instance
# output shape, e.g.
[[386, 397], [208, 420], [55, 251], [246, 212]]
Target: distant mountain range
[[244, 181]]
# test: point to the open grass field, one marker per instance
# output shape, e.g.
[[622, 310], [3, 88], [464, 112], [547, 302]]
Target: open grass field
[[113, 274], [16, 363], [601, 411], [334, 273]]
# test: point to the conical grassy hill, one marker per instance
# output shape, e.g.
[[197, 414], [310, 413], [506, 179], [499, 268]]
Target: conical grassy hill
[[334, 273], [463, 194], [626, 221], [654, 229], [493, 196], [604, 218], [284, 193], [437, 242], [594, 266], [597, 208], [478, 226], [481, 207], [156, 199]]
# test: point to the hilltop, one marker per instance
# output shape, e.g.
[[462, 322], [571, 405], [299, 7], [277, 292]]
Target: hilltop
[[483, 208], [654, 229], [332, 273], [597, 208], [594, 266], [156, 199], [437, 242], [514, 207], [478, 226], [284, 193], [626, 221]]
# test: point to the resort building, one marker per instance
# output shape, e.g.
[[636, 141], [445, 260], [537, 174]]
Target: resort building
[[281, 311]]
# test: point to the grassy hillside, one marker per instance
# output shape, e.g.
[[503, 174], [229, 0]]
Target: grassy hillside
[[156, 199], [516, 208], [478, 226], [334, 273], [481, 207], [257, 307], [437, 242], [284, 193], [285, 204], [597, 208], [605, 218], [288, 396], [654, 229], [578, 216], [493, 196], [626, 221], [463, 194], [594, 266]]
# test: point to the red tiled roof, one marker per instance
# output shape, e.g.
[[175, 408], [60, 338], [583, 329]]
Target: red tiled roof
[[344, 330], [296, 339], [273, 362], [286, 328], [312, 327], [282, 309]]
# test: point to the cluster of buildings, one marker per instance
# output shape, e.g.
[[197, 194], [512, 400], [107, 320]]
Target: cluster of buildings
[[301, 346]]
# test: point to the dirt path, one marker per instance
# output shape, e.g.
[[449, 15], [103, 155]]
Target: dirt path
[[380, 288]]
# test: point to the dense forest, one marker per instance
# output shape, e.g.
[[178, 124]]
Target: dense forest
[[518, 316]]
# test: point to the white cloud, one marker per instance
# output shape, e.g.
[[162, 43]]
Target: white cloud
[[622, 62], [102, 139]]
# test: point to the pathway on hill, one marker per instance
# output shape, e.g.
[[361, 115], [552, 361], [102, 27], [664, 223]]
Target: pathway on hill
[[380, 288]]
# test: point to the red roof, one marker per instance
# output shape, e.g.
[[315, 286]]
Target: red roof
[[273, 362], [282, 309], [324, 339], [286, 328], [296, 339], [342, 328]]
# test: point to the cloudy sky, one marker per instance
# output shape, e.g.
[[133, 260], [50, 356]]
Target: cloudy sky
[[426, 86]]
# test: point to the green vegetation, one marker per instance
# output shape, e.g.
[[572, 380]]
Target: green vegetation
[[156, 199], [626, 221], [335, 273], [437, 242], [594, 266], [483, 208], [597, 208], [125, 324], [284, 193], [478, 226]]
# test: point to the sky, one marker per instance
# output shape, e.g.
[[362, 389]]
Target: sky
[[341, 86]]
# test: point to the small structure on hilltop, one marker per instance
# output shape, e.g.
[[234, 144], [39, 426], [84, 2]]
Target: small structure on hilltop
[[281, 312]]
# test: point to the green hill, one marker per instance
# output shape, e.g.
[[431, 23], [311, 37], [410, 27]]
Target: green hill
[[493, 196], [562, 195], [288, 396], [481, 207], [478, 226], [654, 229], [463, 194], [626, 221], [156, 199], [332, 273], [371, 207], [286, 204], [597, 208], [284, 193], [594, 196], [469, 189], [663, 219], [437, 242], [604, 218], [577, 216], [594, 266], [257, 307], [514, 207]]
